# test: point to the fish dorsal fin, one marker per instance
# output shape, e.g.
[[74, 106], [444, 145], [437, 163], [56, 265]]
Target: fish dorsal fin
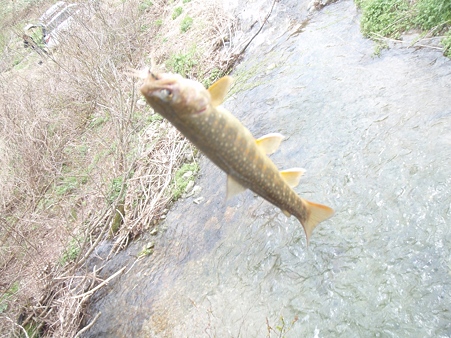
[[233, 187], [292, 176], [270, 143], [219, 90]]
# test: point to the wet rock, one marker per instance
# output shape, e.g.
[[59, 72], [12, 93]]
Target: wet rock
[[188, 174], [196, 190], [198, 200], [189, 186]]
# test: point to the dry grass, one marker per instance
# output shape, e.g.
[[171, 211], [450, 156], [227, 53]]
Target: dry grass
[[81, 161]]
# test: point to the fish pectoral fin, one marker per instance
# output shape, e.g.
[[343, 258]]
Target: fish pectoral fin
[[219, 90], [270, 143], [292, 176], [233, 187], [316, 214]]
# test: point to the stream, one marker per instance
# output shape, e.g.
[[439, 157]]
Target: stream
[[374, 135]]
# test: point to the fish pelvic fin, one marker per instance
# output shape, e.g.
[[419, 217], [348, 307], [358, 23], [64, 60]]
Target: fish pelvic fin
[[233, 187], [316, 214], [219, 90], [270, 142], [286, 213], [292, 176]]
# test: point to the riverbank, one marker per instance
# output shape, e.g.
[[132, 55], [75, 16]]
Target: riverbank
[[91, 168]]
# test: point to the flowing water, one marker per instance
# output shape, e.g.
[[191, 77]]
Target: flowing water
[[374, 134]]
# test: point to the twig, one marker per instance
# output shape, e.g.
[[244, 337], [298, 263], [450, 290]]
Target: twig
[[261, 27], [90, 292], [87, 327]]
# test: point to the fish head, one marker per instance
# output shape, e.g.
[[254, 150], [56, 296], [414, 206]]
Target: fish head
[[184, 96]]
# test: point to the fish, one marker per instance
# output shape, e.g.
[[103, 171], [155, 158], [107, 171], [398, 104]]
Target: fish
[[198, 114]]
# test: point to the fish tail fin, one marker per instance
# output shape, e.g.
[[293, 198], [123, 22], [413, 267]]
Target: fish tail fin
[[316, 214]]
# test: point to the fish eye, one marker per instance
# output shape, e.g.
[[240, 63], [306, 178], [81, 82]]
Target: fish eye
[[165, 95]]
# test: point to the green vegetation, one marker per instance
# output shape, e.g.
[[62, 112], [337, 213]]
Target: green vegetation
[[182, 63], [33, 329], [214, 75], [147, 250], [186, 24], [6, 297], [145, 4], [177, 12], [115, 189], [69, 184], [180, 181], [390, 18], [72, 251], [384, 17]]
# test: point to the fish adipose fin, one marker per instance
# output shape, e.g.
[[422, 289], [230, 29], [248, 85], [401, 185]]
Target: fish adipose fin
[[233, 187], [270, 143], [316, 214], [219, 90], [292, 176]]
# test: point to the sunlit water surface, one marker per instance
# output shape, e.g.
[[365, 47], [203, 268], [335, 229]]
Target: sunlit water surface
[[374, 134]]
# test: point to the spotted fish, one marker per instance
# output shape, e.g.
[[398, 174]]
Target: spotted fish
[[197, 113]]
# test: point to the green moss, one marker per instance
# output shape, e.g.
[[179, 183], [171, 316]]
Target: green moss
[[117, 219]]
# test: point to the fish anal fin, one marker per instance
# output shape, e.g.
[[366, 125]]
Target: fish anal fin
[[219, 90], [233, 187], [316, 214], [292, 176], [270, 143]]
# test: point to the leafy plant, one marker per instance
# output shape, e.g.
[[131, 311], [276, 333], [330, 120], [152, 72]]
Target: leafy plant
[[144, 5], [182, 63], [384, 17], [389, 18], [432, 14], [72, 251], [177, 12], [186, 24]]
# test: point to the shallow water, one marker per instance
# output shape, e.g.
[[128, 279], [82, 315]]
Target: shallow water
[[375, 137]]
